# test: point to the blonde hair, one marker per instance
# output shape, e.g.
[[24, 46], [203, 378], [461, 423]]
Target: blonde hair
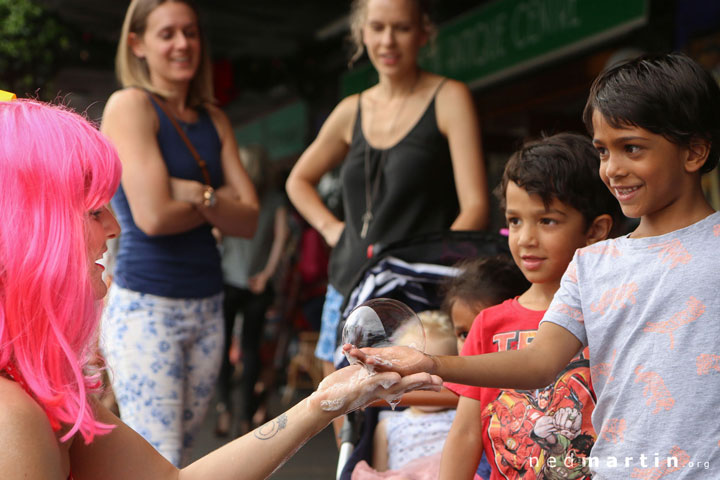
[[358, 16], [438, 326], [133, 71]]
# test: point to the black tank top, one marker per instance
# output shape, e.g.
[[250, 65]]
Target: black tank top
[[416, 194]]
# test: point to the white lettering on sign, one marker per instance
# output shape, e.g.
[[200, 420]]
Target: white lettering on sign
[[532, 20]]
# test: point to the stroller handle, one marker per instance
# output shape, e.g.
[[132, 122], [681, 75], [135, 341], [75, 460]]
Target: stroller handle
[[348, 438]]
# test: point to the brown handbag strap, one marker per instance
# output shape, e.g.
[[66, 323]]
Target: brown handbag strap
[[201, 163]]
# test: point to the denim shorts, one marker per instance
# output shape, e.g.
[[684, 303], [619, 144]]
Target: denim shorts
[[327, 342]]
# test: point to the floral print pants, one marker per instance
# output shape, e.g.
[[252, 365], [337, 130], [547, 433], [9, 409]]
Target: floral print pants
[[163, 357]]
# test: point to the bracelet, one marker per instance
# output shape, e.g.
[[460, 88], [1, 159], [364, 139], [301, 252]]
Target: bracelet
[[209, 196]]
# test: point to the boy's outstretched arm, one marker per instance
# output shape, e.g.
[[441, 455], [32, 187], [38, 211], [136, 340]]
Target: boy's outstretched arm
[[535, 366]]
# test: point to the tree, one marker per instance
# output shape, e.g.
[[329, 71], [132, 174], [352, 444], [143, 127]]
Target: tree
[[33, 44]]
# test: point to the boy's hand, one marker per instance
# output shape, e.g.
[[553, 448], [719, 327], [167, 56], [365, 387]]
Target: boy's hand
[[403, 360]]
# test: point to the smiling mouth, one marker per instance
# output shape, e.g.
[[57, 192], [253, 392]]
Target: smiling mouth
[[624, 191]]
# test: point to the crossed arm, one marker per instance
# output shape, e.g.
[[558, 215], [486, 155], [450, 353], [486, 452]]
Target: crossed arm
[[164, 205]]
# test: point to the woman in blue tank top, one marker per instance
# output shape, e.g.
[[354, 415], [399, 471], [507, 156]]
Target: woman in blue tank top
[[409, 151], [163, 327]]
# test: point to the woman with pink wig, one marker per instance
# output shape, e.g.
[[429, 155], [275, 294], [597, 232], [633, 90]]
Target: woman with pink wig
[[57, 175]]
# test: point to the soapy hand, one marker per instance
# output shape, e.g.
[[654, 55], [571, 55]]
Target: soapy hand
[[400, 359], [353, 387]]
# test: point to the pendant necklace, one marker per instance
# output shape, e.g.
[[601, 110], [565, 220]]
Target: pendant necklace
[[371, 193]]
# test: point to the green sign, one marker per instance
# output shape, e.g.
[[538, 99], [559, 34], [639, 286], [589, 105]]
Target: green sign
[[509, 36], [282, 132]]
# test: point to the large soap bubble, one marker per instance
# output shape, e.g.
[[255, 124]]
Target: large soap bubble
[[383, 322]]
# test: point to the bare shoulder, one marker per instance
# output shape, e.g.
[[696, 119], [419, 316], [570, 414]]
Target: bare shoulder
[[347, 108], [215, 112], [128, 98], [219, 119], [453, 92], [128, 104], [17, 408], [455, 107], [339, 124], [28, 446]]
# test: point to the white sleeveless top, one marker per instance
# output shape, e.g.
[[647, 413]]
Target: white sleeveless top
[[412, 435]]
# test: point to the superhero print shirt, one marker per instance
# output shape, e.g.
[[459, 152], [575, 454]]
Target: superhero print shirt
[[530, 434], [648, 311]]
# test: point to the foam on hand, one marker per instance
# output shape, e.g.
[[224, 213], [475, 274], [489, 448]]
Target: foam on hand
[[353, 392]]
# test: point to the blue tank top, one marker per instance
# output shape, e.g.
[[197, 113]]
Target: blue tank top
[[183, 265]]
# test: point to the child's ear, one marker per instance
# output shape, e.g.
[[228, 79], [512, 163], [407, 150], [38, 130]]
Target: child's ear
[[698, 152], [599, 229]]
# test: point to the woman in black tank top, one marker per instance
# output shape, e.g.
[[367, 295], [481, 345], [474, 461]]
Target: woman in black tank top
[[408, 148]]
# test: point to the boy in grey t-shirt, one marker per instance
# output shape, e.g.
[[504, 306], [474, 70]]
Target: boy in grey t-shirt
[[647, 304], [648, 309]]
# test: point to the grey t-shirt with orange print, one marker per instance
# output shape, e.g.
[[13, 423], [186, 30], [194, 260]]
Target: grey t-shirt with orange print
[[649, 311]]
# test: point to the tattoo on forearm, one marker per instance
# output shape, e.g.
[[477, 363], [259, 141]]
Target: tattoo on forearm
[[271, 428]]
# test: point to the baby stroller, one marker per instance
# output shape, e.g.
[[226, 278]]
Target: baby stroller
[[412, 272]]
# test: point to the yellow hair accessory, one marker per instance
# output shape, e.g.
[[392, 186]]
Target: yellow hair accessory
[[6, 96]]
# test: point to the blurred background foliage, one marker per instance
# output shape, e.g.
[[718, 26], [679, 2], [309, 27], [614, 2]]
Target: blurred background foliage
[[34, 43]]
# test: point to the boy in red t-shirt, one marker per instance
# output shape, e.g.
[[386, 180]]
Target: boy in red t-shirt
[[554, 203]]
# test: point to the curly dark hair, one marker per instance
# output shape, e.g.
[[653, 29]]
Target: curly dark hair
[[565, 166]]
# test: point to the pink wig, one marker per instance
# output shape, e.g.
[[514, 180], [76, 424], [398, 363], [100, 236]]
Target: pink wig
[[54, 168]]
